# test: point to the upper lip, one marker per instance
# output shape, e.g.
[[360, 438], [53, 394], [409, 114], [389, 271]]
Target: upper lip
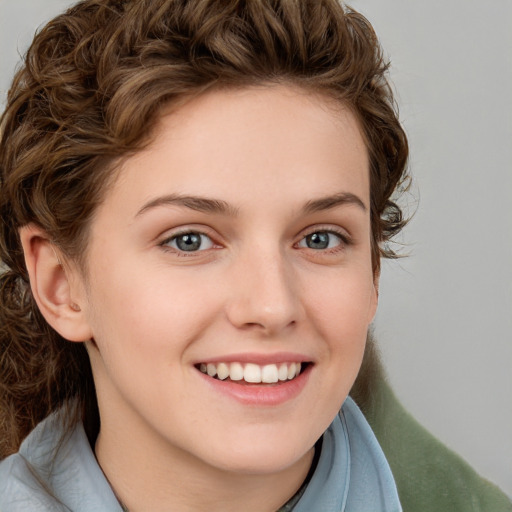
[[258, 358]]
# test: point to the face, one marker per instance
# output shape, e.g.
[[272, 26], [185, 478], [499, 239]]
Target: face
[[229, 286]]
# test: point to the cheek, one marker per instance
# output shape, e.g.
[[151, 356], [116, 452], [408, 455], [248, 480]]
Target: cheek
[[342, 313], [340, 316], [148, 314], [344, 304]]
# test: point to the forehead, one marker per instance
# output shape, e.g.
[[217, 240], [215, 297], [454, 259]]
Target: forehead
[[248, 143]]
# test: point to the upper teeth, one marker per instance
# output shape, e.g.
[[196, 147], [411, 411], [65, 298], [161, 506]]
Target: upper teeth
[[252, 373]]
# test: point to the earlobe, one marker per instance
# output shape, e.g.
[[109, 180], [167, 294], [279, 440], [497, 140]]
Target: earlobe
[[54, 287]]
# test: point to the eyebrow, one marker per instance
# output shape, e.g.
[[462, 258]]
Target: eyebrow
[[200, 204], [328, 202], [218, 206]]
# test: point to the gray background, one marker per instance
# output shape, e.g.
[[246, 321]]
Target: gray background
[[445, 318]]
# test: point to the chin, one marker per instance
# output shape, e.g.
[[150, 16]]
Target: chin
[[265, 457]]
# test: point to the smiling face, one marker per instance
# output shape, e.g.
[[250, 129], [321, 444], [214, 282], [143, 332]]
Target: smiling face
[[235, 249]]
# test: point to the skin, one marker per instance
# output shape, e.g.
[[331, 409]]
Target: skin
[[256, 288]]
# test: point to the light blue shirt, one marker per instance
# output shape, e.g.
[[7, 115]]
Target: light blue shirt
[[52, 473]]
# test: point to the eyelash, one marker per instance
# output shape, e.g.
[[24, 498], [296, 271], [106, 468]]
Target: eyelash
[[344, 241]]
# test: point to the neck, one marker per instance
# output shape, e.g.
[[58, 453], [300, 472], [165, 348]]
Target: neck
[[143, 481], [151, 476]]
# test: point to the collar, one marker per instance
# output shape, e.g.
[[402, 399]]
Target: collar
[[52, 472], [352, 473]]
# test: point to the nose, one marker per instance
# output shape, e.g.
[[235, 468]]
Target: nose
[[264, 295]]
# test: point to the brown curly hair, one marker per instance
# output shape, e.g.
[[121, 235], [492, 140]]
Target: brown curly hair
[[92, 85]]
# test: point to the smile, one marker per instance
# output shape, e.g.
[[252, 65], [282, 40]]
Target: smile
[[252, 373]]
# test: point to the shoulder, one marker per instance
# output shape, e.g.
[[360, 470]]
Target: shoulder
[[429, 476], [54, 470], [23, 485]]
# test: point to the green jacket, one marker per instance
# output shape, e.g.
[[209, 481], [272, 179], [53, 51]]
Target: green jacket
[[429, 476]]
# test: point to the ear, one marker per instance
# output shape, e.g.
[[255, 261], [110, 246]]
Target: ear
[[57, 289], [374, 299]]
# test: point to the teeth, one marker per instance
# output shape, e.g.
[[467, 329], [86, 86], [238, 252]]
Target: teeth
[[269, 374], [223, 371], [292, 370], [252, 373], [236, 371], [211, 370], [282, 373]]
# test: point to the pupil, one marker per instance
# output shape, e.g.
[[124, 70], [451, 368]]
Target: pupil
[[189, 242], [318, 240]]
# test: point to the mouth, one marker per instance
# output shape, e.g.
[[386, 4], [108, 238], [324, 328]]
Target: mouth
[[251, 373]]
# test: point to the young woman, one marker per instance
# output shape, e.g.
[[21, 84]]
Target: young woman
[[195, 197]]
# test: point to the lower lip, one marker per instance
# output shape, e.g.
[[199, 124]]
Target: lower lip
[[261, 394]]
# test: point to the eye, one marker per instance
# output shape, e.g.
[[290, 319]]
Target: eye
[[321, 240], [189, 242]]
